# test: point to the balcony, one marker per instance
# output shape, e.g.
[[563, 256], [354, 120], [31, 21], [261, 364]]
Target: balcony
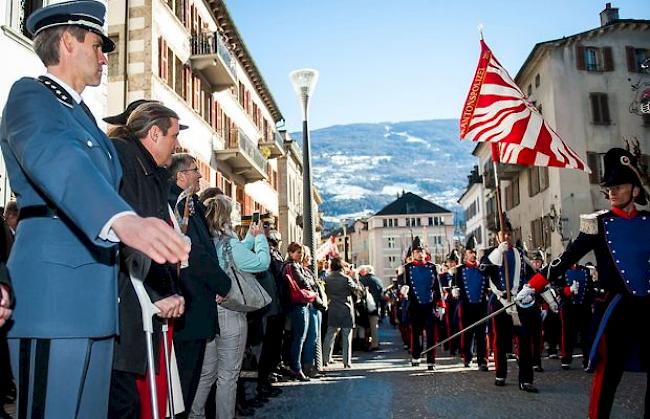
[[242, 155], [275, 145], [213, 60]]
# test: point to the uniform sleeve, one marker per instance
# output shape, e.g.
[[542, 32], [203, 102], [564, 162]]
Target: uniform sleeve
[[56, 159]]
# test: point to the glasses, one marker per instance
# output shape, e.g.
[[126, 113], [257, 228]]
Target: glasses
[[196, 169]]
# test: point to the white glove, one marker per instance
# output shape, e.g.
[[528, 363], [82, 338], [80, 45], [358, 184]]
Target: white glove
[[455, 292], [503, 247], [526, 297], [512, 310], [440, 312], [575, 288], [188, 240], [501, 295], [404, 290]]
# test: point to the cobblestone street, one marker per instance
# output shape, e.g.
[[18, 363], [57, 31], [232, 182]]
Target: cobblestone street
[[383, 385]]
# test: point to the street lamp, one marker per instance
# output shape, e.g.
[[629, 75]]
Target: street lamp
[[303, 82]]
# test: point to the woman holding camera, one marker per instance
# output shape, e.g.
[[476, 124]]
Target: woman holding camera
[[224, 354]]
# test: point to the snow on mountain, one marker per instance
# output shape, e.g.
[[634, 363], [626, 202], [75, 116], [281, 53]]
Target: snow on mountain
[[359, 168]]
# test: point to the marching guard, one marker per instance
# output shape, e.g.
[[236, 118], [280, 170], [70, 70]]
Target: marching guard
[[575, 313], [520, 320], [622, 341], [424, 299], [470, 288]]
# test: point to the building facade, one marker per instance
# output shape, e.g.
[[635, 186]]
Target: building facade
[[391, 230], [582, 84], [473, 203], [189, 55]]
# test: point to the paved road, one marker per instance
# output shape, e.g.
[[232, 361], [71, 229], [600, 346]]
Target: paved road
[[383, 385]]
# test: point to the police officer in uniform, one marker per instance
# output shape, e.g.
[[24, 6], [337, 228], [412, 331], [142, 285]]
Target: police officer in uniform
[[65, 174], [470, 288], [575, 313], [518, 321], [424, 309], [618, 238]]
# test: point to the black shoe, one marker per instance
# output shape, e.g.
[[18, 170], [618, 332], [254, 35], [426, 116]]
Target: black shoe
[[268, 391], [500, 382], [431, 367], [300, 376], [566, 367], [553, 356], [528, 388], [466, 365], [244, 411], [483, 368], [538, 368]]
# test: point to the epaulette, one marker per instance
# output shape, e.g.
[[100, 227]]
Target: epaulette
[[589, 222], [58, 91]]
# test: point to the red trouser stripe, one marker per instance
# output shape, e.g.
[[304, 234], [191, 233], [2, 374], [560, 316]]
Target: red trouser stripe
[[599, 374], [562, 343], [495, 346]]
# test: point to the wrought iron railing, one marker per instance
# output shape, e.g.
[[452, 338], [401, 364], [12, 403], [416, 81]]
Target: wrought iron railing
[[212, 43]]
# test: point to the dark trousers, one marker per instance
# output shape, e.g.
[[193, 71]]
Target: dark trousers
[[124, 400], [621, 338], [452, 322], [189, 357], [576, 319], [62, 378], [535, 325], [6, 378], [503, 332], [551, 331], [271, 354], [422, 320], [470, 313]]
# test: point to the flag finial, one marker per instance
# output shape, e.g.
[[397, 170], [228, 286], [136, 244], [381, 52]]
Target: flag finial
[[480, 30]]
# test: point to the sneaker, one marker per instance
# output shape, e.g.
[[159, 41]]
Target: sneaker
[[499, 382]]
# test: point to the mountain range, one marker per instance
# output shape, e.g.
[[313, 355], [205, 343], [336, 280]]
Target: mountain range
[[360, 168]]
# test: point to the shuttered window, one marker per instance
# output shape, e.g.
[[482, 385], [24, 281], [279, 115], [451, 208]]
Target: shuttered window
[[163, 65], [599, 108]]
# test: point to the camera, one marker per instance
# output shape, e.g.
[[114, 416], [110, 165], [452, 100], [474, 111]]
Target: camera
[[256, 217]]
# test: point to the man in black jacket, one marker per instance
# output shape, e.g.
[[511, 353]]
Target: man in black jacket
[[202, 282], [144, 146]]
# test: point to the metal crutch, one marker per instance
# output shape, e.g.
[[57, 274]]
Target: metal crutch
[[138, 267], [170, 391]]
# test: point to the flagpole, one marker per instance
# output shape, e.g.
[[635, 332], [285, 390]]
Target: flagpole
[[497, 181]]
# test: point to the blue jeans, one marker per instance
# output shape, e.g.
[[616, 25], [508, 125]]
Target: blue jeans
[[302, 332], [312, 345]]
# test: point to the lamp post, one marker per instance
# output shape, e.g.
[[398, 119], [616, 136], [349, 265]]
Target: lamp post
[[304, 82]]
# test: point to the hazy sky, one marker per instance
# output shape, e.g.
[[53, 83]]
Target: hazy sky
[[383, 60]]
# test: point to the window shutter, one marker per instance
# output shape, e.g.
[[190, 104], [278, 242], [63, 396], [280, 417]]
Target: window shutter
[[593, 160], [604, 108], [595, 108], [162, 60], [631, 62], [609, 60], [580, 57], [188, 85]]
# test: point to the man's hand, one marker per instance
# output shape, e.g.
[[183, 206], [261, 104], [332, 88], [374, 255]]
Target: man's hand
[[503, 247], [219, 299], [575, 288], [455, 292], [5, 311], [153, 237], [171, 307], [525, 297]]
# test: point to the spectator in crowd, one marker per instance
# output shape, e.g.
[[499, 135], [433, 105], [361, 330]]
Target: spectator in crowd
[[224, 353], [144, 146], [303, 344], [315, 316], [270, 355], [374, 287], [208, 193], [340, 289], [11, 215], [202, 282]]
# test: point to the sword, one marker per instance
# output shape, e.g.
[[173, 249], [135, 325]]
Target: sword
[[471, 326]]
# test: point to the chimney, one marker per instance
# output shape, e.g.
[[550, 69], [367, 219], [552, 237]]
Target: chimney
[[609, 15]]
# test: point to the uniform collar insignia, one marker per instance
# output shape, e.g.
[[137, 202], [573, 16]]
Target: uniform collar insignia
[[623, 214], [61, 94]]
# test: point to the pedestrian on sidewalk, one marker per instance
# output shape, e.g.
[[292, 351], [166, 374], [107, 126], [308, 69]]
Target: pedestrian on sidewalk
[[340, 289], [374, 287]]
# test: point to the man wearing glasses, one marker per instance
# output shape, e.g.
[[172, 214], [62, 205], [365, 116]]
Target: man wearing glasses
[[201, 282]]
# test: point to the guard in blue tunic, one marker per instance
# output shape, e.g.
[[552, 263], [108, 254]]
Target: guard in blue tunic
[[520, 322], [451, 320], [575, 312], [619, 240], [425, 304], [470, 288], [65, 174]]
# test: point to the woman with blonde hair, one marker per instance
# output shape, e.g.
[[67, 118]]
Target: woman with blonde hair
[[224, 354]]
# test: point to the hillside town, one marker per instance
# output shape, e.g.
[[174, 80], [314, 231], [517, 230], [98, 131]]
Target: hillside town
[[165, 251]]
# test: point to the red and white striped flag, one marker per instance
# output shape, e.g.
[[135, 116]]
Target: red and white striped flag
[[497, 111]]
